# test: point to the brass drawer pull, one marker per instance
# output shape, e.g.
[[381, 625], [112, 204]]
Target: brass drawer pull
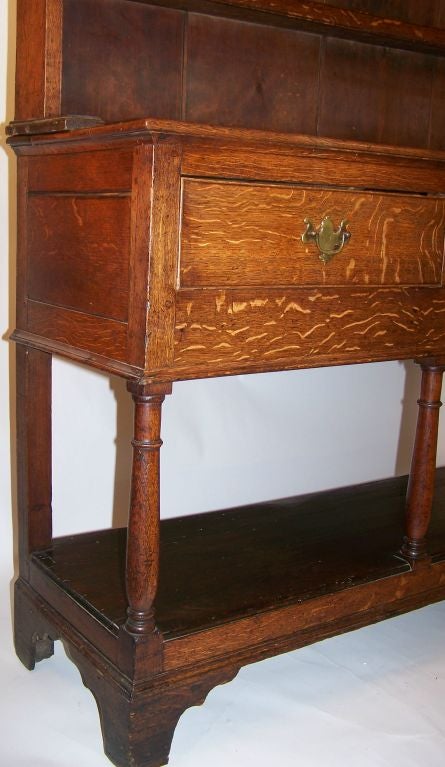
[[328, 240]]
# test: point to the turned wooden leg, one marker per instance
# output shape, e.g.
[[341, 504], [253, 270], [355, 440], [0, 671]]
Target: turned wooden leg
[[420, 492], [143, 525]]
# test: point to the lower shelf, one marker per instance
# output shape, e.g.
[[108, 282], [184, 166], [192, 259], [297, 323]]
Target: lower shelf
[[228, 565]]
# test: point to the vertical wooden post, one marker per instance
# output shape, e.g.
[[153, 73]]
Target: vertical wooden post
[[33, 452], [420, 492], [144, 522]]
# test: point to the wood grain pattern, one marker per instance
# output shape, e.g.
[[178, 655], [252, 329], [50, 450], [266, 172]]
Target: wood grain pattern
[[141, 206], [78, 251], [164, 246], [142, 560], [107, 338], [121, 59], [83, 356], [321, 18], [196, 598], [34, 435], [250, 234], [228, 158], [87, 171], [437, 126], [115, 135], [368, 109], [411, 11], [420, 492], [53, 57], [30, 65], [232, 330], [250, 75]]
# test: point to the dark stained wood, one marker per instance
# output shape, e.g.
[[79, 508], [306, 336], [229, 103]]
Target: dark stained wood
[[420, 493], [293, 550], [90, 358], [142, 561], [320, 18], [437, 126], [411, 11], [78, 251], [367, 109], [160, 249], [88, 171], [121, 59], [33, 452], [85, 332], [250, 234], [141, 211], [115, 135], [38, 68], [250, 75], [264, 161], [50, 125]]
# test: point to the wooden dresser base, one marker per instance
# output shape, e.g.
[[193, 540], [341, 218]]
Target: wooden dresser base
[[236, 586]]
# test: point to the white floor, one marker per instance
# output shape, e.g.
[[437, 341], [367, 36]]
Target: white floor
[[371, 698]]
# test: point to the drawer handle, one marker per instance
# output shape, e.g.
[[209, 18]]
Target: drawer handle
[[328, 240]]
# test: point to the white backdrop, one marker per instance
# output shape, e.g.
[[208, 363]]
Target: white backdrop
[[226, 442]]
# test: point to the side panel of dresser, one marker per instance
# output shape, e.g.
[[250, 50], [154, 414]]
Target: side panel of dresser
[[84, 232]]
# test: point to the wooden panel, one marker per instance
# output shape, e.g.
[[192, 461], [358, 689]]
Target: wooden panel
[[317, 17], [34, 488], [30, 68], [251, 76], [81, 331], [247, 234], [358, 87], [412, 11], [164, 247], [100, 171], [141, 210], [437, 128], [79, 253], [38, 70], [233, 159], [250, 329], [121, 59]]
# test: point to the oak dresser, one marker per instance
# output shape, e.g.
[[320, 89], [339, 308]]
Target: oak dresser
[[208, 188]]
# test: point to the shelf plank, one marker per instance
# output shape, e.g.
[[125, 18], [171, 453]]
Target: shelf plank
[[321, 18], [223, 566]]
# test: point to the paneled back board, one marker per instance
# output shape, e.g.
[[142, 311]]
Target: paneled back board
[[282, 66], [182, 254]]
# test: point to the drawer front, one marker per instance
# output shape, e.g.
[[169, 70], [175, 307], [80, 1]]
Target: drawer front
[[244, 234]]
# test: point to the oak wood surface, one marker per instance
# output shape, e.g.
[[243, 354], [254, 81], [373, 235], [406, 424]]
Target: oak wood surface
[[34, 439], [97, 172], [250, 75], [420, 490], [142, 560], [248, 234], [79, 253], [234, 329], [156, 616], [84, 332], [321, 17], [121, 59]]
